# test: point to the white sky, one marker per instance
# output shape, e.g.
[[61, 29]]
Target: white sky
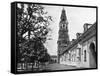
[[76, 17]]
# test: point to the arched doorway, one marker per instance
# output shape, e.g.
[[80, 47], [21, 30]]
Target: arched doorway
[[92, 55]]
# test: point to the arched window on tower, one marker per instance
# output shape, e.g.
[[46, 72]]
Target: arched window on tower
[[63, 25]]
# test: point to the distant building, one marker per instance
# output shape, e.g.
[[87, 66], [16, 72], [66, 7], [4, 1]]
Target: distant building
[[80, 52], [54, 58]]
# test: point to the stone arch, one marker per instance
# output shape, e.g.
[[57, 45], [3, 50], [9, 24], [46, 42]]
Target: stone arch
[[92, 48]]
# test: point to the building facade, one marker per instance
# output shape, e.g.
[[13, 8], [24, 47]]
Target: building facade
[[54, 58], [80, 52]]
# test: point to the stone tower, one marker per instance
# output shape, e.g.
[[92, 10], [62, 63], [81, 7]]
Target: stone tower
[[63, 39]]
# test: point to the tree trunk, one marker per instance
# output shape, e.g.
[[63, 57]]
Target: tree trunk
[[26, 66], [21, 66], [32, 66], [38, 65], [29, 33]]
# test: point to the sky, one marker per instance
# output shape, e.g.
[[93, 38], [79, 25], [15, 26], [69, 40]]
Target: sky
[[76, 17]]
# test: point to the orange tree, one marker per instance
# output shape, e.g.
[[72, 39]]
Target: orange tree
[[32, 30]]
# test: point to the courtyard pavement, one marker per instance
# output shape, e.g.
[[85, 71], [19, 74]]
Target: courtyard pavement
[[57, 66]]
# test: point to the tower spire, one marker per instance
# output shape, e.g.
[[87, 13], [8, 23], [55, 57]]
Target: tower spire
[[63, 15]]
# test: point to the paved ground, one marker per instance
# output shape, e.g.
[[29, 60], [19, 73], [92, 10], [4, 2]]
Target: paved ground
[[51, 67], [57, 66]]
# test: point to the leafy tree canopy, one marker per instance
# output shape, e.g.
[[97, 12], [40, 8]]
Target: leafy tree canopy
[[32, 31]]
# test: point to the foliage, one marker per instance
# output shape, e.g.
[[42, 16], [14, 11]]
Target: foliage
[[32, 31]]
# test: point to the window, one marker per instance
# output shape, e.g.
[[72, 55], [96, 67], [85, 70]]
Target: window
[[69, 56], [63, 25], [84, 55], [79, 54], [64, 57]]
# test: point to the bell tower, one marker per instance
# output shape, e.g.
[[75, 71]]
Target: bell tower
[[63, 38]]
